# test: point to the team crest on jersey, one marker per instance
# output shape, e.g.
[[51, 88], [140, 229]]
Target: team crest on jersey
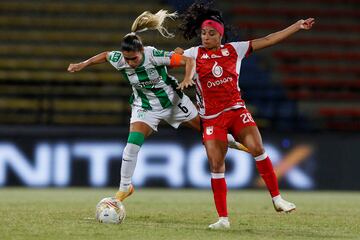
[[151, 72], [141, 113], [225, 52], [205, 56], [217, 70], [209, 130]]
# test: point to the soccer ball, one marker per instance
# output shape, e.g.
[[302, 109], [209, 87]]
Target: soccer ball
[[110, 210]]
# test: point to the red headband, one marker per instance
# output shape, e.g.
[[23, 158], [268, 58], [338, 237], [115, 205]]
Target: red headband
[[214, 24]]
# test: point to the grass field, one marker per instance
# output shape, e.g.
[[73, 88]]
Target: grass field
[[176, 214]]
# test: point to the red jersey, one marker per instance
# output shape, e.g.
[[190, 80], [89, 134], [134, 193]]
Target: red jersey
[[217, 74]]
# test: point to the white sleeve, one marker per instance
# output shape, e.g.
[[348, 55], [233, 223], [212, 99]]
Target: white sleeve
[[243, 49], [115, 58], [160, 57], [191, 52]]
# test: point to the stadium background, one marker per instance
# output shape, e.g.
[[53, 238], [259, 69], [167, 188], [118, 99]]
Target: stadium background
[[59, 129]]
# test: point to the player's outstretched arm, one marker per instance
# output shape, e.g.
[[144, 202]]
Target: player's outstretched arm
[[180, 60], [277, 37], [189, 73], [100, 58]]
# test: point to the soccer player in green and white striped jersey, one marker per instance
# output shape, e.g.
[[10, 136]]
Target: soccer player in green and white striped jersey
[[156, 95], [153, 88]]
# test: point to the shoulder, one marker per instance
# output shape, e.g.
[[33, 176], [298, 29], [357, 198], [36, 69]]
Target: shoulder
[[114, 56], [243, 48], [154, 52], [157, 57], [242, 44], [191, 52]]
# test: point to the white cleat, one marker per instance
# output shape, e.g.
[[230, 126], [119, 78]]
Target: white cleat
[[282, 205], [238, 146], [223, 223]]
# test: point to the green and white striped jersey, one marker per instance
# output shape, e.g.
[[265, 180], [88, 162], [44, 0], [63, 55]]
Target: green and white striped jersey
[[152, 87]]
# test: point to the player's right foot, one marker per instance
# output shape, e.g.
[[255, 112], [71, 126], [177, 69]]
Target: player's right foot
[[282, 205], [223, 223], [120, 195]]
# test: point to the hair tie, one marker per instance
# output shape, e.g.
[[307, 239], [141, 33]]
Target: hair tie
[[141, 30]]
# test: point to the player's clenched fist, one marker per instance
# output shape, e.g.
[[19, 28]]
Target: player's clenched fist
[[306, 24], [75, 67]]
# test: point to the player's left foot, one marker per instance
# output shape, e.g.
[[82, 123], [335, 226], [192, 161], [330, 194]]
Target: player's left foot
[[223, 223], [120, 195], [282, 205]]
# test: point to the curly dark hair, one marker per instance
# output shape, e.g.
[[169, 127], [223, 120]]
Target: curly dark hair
[[195, 15]]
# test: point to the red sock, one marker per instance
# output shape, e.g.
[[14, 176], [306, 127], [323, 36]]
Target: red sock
[[267, 173], [219, 189]]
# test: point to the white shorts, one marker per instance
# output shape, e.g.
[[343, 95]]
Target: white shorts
[[184, 111]]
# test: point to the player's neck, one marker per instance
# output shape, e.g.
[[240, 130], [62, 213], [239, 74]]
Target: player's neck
[[213, 48]]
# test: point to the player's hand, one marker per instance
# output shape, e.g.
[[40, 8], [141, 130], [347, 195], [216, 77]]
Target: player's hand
[[306, 24], [179, 51], [185, 84], [75, 67]]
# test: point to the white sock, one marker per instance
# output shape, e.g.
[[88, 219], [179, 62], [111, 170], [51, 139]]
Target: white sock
[[276, 198], [224, 218], [217, 175], [128, 165]]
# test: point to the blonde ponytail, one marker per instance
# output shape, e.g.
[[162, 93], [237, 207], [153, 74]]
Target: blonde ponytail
[[149, 21]]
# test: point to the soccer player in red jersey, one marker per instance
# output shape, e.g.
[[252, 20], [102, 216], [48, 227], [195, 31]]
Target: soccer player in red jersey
[[221, 108], [155, 97]]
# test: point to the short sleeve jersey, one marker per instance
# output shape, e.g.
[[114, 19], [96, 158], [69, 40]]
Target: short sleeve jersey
[[217, 74], [153, 88]]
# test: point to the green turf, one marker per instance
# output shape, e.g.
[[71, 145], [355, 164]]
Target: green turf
[[176, 214]]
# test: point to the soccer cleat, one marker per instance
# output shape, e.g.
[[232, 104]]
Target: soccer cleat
[[221, 224], [120, 195], [282, 205], [238, 146]]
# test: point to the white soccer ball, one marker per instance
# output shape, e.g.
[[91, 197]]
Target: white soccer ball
[[110, 210]]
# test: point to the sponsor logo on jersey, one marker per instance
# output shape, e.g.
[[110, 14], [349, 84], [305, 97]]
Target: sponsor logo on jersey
[[211, 84], [209, 130], [149, 84], [115, 56], [215, 56], [217, 70], [205, 56], [161, 53], [225, 52]]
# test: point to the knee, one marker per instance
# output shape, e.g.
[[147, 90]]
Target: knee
[[217, 166], [257, 149]]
